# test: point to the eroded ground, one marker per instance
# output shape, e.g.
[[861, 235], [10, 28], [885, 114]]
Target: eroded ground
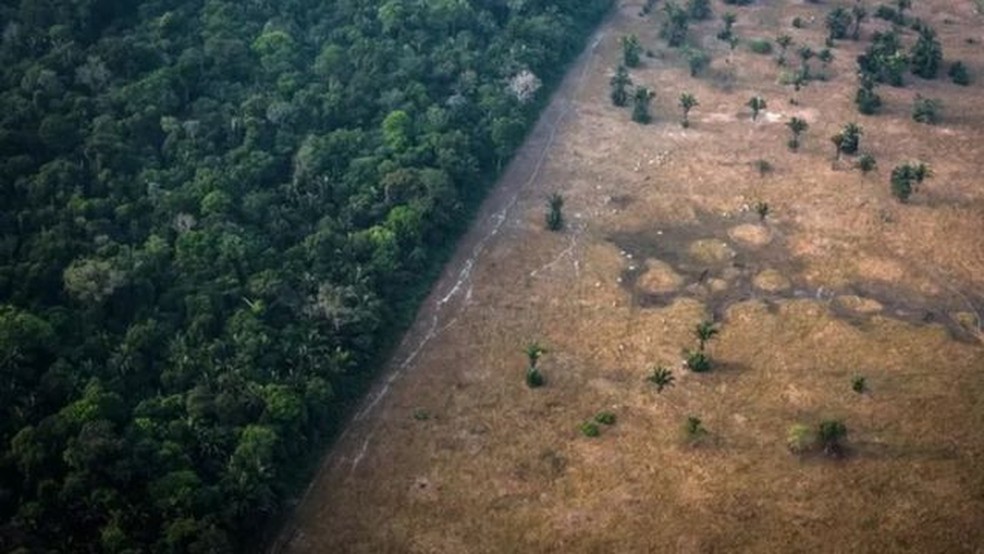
[[453, 453]]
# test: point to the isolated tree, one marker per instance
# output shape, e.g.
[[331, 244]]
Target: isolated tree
[[838, 23], [674, 28], [687, 102], [705, 331], [831, 434], [927, 54], [783, 41], [631, 50], [867, 100], [620, 83], [906, 178], [851, 138], [640, 106], [805, 53], [859, 13], [797, 126], [726, 34], [699, 10], [757, 104], [926, 110], [958, 73], [697, 60], [661, 377], [838, 141], [555, 217]]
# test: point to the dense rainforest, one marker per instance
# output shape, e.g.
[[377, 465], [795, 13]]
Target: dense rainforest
[[214, 215]]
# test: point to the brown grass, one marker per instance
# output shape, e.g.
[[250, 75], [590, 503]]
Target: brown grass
[[502, 468]]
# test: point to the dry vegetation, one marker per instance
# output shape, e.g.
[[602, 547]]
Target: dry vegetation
[[839, 280]]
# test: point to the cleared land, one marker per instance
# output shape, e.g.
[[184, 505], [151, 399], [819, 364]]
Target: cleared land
[[453, 453]]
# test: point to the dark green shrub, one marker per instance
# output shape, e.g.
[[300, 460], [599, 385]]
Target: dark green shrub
[[699, 10], [851, 138], [534, 379], [798, 22], [906, 177], [838, 23], [555, 216], [421, 414], [760, 46], [631, 50], [763, 167], [927, 54], [590, 429], [831, 434], [640, 105], [884, 59], [867, 163], [757, 104], [858, 384], [694, 429], [698, 361], [726, 34], [866, 98], [674, 28], [797, 126], [661, 377], [620, 83], [958, 73], [605, 418], [926, 110], [697, 60], [687, 102]]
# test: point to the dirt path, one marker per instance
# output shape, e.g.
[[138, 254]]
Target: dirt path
[[452, 292]]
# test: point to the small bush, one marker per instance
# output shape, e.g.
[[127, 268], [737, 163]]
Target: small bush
[[555, 217], [958, 73], [762, 209], [798, 22], [867, 163], [760, 46], [590, 429], [605, 418], [888, 13], [830, 434], [850, 138], [763, 167], [697, 60], [534, 379], [421, 414], [926, 110], [698, 361], [799, 439], [859, 384], [694, 429]]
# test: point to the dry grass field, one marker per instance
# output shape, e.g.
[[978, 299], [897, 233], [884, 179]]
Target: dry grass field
[[452, 452]]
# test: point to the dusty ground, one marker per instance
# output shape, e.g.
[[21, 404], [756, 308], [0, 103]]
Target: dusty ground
[[840, 280]]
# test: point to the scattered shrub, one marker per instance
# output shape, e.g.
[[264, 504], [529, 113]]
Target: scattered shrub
[[762, 209], [620, 83], [421, 414], [831, 434], [534, 379], [763, 167], [605, 418], [927, 54], [697, 60], [838, 23], [926, 110], [757, 104], [760, 46], [858, 384], [958, 73], [590, 429], [631, 50], [555, 217], [694, 429], [851, 138], [640, 106], [798, 22], [699, 10], [698, 361], [800, 439], [867, 163]]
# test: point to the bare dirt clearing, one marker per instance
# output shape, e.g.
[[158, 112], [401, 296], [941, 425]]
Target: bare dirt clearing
[[839, 280]]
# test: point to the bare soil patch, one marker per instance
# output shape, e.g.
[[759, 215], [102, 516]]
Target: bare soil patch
[[839, 280]]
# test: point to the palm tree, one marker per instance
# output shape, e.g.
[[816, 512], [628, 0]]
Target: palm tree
[[534, 351], [757, 104], [687, 102], [704, 332], [830, 434], [797, 126], [620, 81], [662, 377], [640, 107], [860, 13]]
